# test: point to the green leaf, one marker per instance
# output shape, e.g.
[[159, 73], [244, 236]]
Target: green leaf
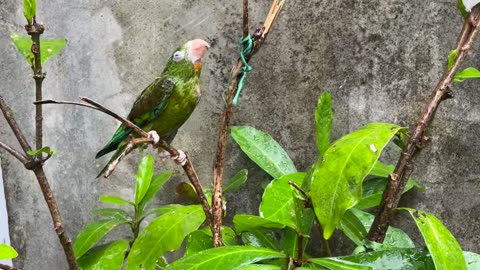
[[7, 252], [323, 119], [260, 267], [225, 258], [353, 227], [112, 213], [338, 264], [48, 47], [43, 150], [290, 242], [472, 260], [260, 238], [244, 223], [451, 58], [236, 181], [263, 150], [92, 233], [156, 184], [277, 201], [29, 10], [165, 233], [462, 9], [443, 247], [337, 181], [468, 73], [202, 239], [398, 259], [104, 257], [394, 237], [114, 200], [186, 193], [144, 177]]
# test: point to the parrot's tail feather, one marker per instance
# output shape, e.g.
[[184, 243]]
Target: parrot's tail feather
[[107, 149], [115, 156]]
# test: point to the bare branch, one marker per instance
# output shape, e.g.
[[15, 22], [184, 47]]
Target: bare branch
[[258, 37], [398, 179], [22, 158], [7, 113], [6, 267], [145, 138]]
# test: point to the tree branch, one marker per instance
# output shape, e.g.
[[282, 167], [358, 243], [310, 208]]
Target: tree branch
[[145, 138], [259, 37], [7, 267], [398, 179], [7, 113], [22, 158]]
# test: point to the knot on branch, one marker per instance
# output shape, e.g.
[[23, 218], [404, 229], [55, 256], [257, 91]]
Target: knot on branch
[[35, 29]]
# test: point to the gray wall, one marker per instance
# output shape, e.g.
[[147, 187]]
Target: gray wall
[[379, 59]]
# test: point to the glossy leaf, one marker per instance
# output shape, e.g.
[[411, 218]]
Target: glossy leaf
[[353, 227], [451, 58], [29, 10], [263, 150], [323, 119], [155, 185], [7, 252], [277, 201], [394, 237], [144, 178], [260, 238], [472, 260], [202, 239], [236, 181], [338, 264], [48, 47], [105, 257], [443, 247], [113, 213], [337, 181], [225, 258], [397, 259], [468, 73], [92, 233], [44, 150], [114, 200], [165, 233], [248, 222]]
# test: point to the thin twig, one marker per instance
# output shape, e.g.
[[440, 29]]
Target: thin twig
[[259, 37], [299, 261], [22, 158], [7, 113], [145, 138], [398, 179], [245, 18]]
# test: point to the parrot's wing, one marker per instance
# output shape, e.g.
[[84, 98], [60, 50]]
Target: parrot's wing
[[151, 102]]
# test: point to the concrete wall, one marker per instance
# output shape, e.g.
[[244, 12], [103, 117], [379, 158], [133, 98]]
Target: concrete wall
[[378, 58]]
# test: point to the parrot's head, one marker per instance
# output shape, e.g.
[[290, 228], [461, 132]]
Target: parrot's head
[[189, 56]]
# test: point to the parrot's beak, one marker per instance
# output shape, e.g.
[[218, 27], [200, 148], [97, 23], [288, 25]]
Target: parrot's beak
[[198, 49]]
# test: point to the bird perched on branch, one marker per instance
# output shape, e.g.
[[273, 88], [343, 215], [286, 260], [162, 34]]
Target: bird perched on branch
[[163, 107]]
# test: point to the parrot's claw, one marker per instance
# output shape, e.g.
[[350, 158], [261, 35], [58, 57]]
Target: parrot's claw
[[181, 159], [154, 135]]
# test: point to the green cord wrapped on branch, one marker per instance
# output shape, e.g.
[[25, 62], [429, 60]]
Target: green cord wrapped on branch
[[247, 45]]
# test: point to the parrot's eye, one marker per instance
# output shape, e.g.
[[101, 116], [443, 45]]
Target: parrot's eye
[[178, 55]]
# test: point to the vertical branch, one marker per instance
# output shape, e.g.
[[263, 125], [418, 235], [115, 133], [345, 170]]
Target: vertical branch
[[35, 30], [245, 18], [398, 179], [259, 37]]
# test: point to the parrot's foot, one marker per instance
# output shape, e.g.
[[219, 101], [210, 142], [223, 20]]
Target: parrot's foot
[[154, 135], [181, 159]]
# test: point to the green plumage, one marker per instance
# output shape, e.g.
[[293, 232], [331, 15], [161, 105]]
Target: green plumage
[[163, 106]]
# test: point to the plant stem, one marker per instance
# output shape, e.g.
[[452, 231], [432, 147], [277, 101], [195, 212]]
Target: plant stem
[[6, 267], [398, 179], [259, 37], [299, 261]]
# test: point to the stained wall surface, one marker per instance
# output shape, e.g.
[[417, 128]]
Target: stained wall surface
[[379, 60]]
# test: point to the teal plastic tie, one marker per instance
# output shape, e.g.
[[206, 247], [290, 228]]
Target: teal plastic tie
[[247, 45]]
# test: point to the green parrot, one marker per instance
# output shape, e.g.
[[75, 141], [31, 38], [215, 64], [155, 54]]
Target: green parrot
[[163, 107]]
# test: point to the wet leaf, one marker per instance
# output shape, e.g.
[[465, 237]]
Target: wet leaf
[[323, 119], [236, 181], [112, 213], [104, 257], [92, 233], [155, 185], [48, 47], [114, 200], [263, 150], [338, 264], [144, 178]]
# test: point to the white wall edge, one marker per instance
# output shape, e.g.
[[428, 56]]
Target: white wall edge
[[4, 232]]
